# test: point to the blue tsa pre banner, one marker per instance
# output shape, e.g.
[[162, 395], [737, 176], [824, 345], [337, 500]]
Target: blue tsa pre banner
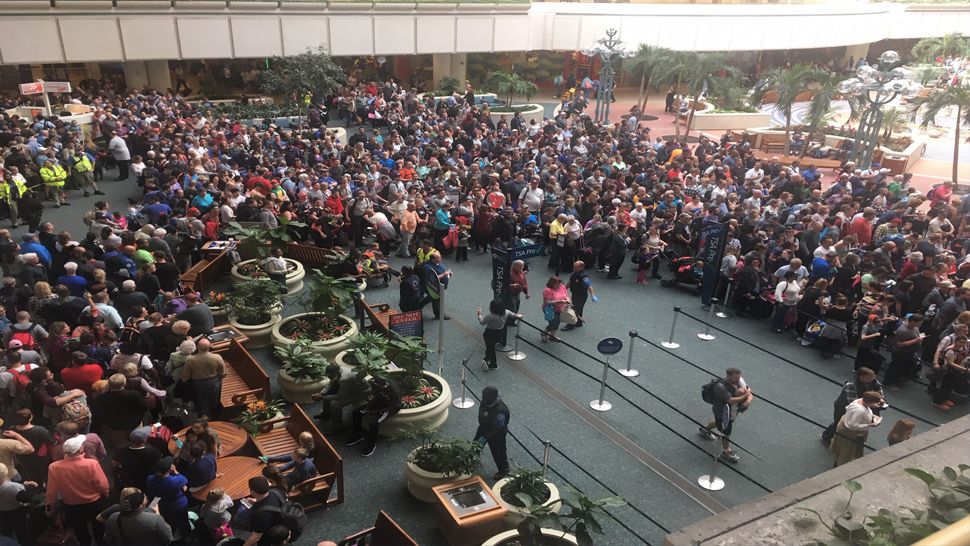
[[713, 239]]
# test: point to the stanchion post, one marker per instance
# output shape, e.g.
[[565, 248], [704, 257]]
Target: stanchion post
[[600, 404], [545, 457], [516, 354], [706, 335], [462, 402], [727, 297], [710, 481], [629, 372], [670, 344], [441, 330]]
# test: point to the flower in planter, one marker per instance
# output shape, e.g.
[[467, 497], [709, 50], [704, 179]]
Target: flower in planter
[[215, 299], [409, 401], [257, 412]]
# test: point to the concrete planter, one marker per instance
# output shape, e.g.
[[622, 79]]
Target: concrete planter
[[299, 391], [328, 348], [220, 315], [536, 110], [431, 416], [551, 537], [515, 515], [420, 482], [294, 279], [342, 359], [259, 334]]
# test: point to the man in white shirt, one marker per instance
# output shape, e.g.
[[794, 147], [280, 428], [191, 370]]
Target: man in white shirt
[[119, 152], [755, 174], [532, 196]]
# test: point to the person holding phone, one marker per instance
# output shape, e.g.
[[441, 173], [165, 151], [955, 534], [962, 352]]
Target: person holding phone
[[135, 520], [853, 427]]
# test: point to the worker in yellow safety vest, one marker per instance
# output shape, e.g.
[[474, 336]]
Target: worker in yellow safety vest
[[83, 169], [54, 176], [12, 188]]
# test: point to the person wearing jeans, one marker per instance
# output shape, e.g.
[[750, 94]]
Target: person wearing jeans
[[494, 324]]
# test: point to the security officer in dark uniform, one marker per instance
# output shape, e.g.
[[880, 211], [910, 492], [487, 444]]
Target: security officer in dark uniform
[[493, 426], [580, 288]]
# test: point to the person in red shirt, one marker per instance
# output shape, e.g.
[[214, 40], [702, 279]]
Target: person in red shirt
[[82, 487], [259, 182], [82, 373], [861, 227], [334, 204], [407, 172]]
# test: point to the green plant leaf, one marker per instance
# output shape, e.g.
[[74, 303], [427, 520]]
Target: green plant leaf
[[963, 467], [852, 485], [922, 475], [955, 514], [950, 473]]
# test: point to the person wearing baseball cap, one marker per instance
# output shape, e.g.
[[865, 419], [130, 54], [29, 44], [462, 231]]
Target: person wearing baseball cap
[[129, 523], [82, 487]]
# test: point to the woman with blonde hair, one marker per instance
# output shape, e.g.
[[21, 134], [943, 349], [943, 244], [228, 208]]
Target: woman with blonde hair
[[42, 295]]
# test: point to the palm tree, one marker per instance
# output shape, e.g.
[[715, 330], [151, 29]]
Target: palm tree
[[824, 90], [645, 63], [672, 70], [788, 83], [928, 49], [925, 72], [893, 120], [927, 108], [505, 83], [700, 78]]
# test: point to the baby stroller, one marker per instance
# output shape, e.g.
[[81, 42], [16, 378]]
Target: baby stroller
[[688, 273]]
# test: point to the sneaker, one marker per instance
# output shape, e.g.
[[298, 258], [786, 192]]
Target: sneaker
[[729, 457], [368, 450], [354, 441], [568, 327], [99, 192], [66, 204], [825, 442], [949, 403], [86, 194], [706, 434], [263, 458], [941, 407], [484, 366]]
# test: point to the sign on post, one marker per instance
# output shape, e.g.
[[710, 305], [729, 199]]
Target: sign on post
[[410, 323], [714, 237], [38, 87], [33, 88], [609, 346]]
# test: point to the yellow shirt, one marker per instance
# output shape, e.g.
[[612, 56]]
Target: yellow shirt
[[556, 229]]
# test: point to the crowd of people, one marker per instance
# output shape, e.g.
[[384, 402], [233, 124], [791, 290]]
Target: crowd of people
[[97, 328]]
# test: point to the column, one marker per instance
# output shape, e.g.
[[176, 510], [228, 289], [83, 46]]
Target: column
[[93, 70], [450, 65], [856, 52], [136, 74], [159, 76]]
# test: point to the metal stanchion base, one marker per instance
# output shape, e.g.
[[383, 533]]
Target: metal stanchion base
[[711, 483], [628, 373], [463, 403], [722, 314], [515, 355], [504, 349], [706, 337], [670, 344], [601, 405]]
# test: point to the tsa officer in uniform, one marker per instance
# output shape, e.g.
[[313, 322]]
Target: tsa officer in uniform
[[493, 427]]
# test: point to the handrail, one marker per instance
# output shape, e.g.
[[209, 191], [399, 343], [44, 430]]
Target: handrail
[[955, 534]]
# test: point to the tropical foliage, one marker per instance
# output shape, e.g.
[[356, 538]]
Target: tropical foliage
[[700, 76], [529, 482], [580, 518], [926, 109], [645, 64], [728, 95], [447, 86], [510, 85], [287, 231], [308, 72], [253, 301], [929, 49], [448, 456], [300, 361], [257, 412], [787, 84]]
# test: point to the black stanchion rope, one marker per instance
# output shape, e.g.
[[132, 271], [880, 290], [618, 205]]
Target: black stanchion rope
[[797, 365]]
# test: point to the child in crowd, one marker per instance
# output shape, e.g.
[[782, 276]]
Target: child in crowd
[[901, 431], [461, 253], [642, 258], [215, 514]]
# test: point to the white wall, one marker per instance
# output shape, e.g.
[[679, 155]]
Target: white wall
[[152, 31]]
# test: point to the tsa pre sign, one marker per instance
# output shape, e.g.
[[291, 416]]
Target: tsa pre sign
[[35, 88]]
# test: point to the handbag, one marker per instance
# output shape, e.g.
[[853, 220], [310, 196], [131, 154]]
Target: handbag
[[548, 312], [568, 316]]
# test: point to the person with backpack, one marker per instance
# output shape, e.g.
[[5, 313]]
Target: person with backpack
[[269, 509], [728, 396], [29, 333]]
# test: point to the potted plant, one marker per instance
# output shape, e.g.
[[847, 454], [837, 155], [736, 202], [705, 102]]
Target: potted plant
[[258, 412], [217, 304], [435, 461], [541, 526], [328, 330], [528, 482], [425, 396], [256, 239], [252, 269], [254, 309], [365, 343], [303, 373]]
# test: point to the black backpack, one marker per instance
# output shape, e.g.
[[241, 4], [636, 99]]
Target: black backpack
[[707, 390], [291, 513]]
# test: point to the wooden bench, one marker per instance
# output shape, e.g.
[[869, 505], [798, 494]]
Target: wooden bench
[[374, 316], [312, 257], [833, 164], [205, 272], [245, 380], [318, 491], [771, 142], [385, 532]]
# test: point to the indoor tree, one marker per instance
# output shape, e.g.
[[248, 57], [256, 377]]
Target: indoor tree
[[823, 91], [645, 63], [927, 108], [448, 85], [672, 70], [309, 72], [926, 72], [700, 77], [953, 43], [893, 120], [508, 84], [787, 83]]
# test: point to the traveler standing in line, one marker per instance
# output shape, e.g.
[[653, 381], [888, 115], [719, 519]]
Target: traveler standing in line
[[555, 298], [518, 284], [119, 152], [82, 488], [493, 427], [853, 428], [864, 381], [494, 324]]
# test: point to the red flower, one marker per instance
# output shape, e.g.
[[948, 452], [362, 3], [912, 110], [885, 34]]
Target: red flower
[[427, 390], [408, 399]]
